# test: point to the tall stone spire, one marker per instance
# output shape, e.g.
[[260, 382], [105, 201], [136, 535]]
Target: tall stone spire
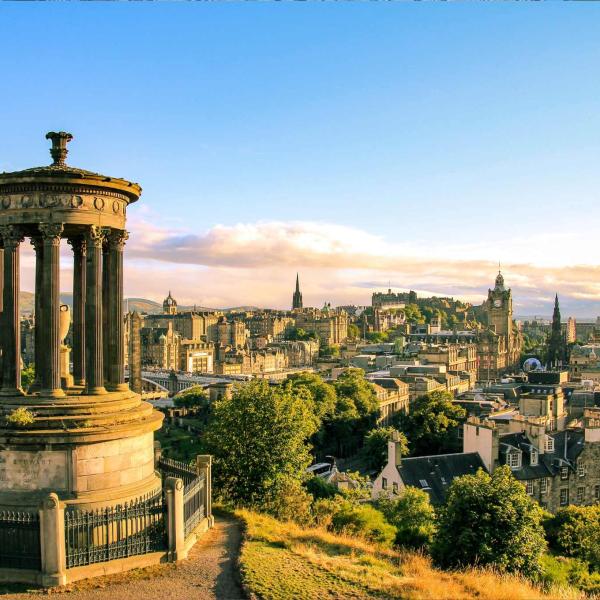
[[556, 341], [297, 297]]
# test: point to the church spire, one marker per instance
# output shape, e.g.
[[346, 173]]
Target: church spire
[[556, 341], [297, 297]]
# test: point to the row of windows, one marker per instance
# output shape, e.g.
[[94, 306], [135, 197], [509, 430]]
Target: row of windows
[[384, 485]]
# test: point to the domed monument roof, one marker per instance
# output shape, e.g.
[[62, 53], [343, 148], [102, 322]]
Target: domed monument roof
[[73, 195]]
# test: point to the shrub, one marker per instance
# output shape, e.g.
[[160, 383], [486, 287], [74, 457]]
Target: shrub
[[365, 521], [413, 516], [20, 417], [319, 488], [490, 520]]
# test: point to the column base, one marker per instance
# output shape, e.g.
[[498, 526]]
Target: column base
[[53, 393], [117, 387], [79, 382], [12, 391], [54, 579], [96, 391]]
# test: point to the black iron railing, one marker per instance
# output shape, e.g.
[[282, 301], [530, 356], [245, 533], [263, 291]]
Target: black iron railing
[[137, 527], [20, 540], [175, 468], [194, 508]]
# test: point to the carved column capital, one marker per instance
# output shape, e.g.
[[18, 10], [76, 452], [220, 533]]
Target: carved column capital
[[78, 245], [11, 235], [51, 232], [116, 238], [95, 236]]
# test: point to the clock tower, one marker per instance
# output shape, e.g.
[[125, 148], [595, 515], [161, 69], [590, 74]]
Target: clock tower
[[498, 308]]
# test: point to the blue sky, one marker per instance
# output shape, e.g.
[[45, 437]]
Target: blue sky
[[432, 139]]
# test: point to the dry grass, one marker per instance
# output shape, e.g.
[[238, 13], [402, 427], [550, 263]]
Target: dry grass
[[280, 561]]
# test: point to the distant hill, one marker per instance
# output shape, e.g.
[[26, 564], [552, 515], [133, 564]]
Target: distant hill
[[142, 305]]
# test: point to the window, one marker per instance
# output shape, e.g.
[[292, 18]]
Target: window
[[580, 494], [543, 485], [564, 473], [564, 497], [395, 487], [597, 492], [384, 483], [549, 445], [423, 483], [529, 487], [580, 469], [534, 457], [514, 459]]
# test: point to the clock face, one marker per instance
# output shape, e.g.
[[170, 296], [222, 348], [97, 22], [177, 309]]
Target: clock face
[[497, 303]]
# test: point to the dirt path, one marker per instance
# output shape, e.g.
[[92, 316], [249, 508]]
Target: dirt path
[[209, 573]]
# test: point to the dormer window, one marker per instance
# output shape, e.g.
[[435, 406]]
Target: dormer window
[[549, 444], [534, 457], [514, 459]]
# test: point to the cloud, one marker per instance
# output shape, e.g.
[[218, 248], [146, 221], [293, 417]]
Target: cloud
[[255, 263]]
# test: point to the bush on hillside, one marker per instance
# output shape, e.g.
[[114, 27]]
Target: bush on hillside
[[365, 521], [490, 520], [413, 516]]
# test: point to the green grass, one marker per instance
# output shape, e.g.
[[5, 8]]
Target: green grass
[[280, 561]]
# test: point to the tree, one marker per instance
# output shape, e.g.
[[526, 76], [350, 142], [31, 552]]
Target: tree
[[413, 314], [353, 331], [194, 396], [575, 531], [258, 439], [323, 394], [352, 384], [490, 520], [413, 517], [431, 424], [27, 376], [375, 446]]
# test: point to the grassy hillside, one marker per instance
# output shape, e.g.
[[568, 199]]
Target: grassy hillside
[[280, 561]]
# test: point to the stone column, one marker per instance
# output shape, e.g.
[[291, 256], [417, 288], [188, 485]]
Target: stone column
[[204, 467], [94, 346], [38, 247], [175, 518], [105, 295], [50, 304], [135, 353], [11, 325], [52, 541], [79, 287], [116, 343]]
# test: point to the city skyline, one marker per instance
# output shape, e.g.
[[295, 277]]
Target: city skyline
[[352, 147]]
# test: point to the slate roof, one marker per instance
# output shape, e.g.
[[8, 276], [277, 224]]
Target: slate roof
[[568, 445], [434, 474]]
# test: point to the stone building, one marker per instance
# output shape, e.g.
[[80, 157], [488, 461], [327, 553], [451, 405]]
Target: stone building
[[390, 300], [330, 325], [160, 347], [500, 344], [231, 333], [557, 468], [393, 396]]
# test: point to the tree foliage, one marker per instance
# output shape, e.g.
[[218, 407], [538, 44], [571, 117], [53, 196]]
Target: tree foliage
[[258, 438], [490, 520], [413, 516], [363, 520], [575, 531], [431, 424], [375, 446], [27, 376], [192, 397]]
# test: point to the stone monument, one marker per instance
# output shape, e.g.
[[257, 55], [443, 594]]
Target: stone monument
[[91, 438]]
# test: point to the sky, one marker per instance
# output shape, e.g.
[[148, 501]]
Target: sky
[[363, 145]]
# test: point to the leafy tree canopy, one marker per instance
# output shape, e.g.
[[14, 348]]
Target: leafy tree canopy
[[412, 515], [375, 447], [194, 396], [430, 426], [490, 520], [258, 438], [322, 393]]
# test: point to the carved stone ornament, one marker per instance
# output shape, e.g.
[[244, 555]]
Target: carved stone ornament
[[78, 245], [95, 236], [117, 238], [99, 203], [51, 232], [6, 202], [11, 235]]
